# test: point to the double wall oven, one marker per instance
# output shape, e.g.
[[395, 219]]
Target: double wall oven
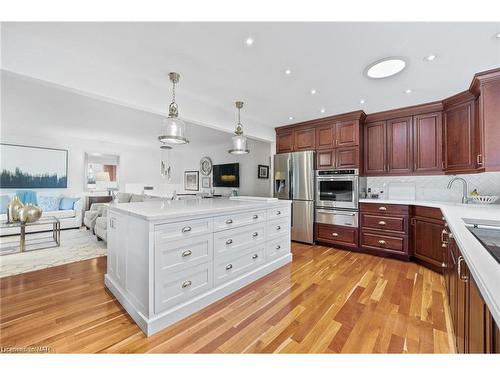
[[337, 196]]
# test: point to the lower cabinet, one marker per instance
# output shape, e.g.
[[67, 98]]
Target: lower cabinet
[[337, 235]]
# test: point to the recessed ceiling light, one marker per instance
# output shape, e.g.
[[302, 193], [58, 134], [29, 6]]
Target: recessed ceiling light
[[385, 68], [322, 110], [408, 91], [362, 101], [290, 118], [497, 35], [288, 72], [313, 91], [430, 57], [249, 41]]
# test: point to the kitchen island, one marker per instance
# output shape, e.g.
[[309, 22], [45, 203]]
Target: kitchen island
[[169, 259]]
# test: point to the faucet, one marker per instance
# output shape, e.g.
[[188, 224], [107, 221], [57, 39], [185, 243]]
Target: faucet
[[464, 188]]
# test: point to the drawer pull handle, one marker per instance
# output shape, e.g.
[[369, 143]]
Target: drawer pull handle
[[444, 235], [255, 256], [229, 221], [229, 242], [382, 242], [255, 234], [335, 234], [278, 227], [255, 217], [479, 159], [187, 253], [229, 266], [464, 278], [278, 212], [278, 247], [382, 208], [381, 222], [186, 229], [185, 284]]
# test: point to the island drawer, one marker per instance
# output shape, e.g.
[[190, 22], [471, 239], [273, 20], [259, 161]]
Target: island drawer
[[181, 254], [234, 240], [172, 288], [277, 228], [228, 268], [387, 243], [278, 247], [384, 222], [182, 229], [277, 212], [238, 219]]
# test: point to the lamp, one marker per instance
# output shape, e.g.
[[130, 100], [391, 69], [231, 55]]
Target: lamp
[[239, 140], [102, 180], [175, 128]]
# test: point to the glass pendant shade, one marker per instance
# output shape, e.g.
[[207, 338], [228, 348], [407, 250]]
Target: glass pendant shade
[[174, 128], [239, 140]]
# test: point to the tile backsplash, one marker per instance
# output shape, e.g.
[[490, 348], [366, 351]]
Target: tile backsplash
[[433, 188]]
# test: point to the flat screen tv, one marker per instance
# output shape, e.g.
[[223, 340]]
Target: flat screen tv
[[227, 175]]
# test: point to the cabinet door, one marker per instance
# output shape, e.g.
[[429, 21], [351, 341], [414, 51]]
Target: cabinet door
[[459, 138], [325, 159], [375, 148], [427, 143], [347, 157], [284, 142], [427, 245], [325, 137], [477, 320], [305, 139], [462, 303], [451, 283], [399, 148], [347, 133]]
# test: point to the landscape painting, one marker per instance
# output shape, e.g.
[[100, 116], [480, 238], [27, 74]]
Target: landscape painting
[[26, 167]]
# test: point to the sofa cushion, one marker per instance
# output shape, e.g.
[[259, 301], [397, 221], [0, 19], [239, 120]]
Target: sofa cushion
[[122, 197], [60, 214], [27, 196], [68, 203], [101, 222], [49, 203], [4, 203]]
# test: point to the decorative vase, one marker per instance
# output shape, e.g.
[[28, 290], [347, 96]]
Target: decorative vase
[[29, 213], [12, 210]]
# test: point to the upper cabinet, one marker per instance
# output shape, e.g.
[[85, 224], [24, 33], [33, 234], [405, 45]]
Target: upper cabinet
[[347, 133], [325, 137], [305, 139], [399, 146], [284, 142], [375, 148], [428, 143]]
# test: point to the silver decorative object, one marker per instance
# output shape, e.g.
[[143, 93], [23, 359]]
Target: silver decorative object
[[239, 140], [175, 128], [13, 208], [165, 168], [206, 166], [29, 213]]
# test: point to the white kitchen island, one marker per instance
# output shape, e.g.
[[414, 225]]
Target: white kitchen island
[[169, 259]]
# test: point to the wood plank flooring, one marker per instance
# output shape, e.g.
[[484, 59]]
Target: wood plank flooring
[[325, 301]]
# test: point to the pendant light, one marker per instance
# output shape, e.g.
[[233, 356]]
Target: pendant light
[[239, 140], [175, 128]]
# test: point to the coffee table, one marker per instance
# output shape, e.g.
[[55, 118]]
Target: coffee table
[[53, 241]]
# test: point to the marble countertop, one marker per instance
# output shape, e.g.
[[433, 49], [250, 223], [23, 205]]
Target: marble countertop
[[181, 209], [484, 268]]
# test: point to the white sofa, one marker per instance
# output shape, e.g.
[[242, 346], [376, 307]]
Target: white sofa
[[67, 218]]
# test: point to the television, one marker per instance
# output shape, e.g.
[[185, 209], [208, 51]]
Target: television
[[227, 175]]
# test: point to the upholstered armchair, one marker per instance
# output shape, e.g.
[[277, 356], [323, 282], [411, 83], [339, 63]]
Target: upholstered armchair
[[90, 217]]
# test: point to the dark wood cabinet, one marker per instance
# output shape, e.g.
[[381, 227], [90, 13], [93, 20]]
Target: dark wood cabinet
[[428, 143], [375, 148], [336, 235], [462, 317], [399, 146], [305, 139], [459, 127], [325, 137], [325, 159], [347, 157], [284, 142], [478, 321], [428, 234], [347, 133]]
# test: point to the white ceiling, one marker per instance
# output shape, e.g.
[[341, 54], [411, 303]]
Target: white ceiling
[[128, 63]]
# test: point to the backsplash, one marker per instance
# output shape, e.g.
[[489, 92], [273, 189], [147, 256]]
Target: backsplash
[[433, 188]]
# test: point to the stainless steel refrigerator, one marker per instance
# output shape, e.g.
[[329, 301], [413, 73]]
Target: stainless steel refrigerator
[[294, 180]]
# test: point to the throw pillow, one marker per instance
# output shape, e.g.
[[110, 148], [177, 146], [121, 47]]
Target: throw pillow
[[122, 197], [49, 203], [4, 203], [68, 203], [27, 196]]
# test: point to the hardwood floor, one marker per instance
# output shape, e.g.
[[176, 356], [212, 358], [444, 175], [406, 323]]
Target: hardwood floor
[[325, 301]]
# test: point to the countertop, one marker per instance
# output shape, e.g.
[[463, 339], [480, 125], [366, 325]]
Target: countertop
[[484, 268], [181, 209]]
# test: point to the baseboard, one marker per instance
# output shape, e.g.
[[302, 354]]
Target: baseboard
[[167, 318]]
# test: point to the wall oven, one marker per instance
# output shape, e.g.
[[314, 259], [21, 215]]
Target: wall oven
[[338, 189]]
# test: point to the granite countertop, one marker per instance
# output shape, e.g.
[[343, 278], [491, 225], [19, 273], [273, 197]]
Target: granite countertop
[[484, 268], [182, 209]]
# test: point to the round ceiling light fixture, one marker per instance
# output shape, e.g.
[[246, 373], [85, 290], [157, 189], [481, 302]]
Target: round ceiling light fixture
[[288, 72], [249, 41], [430, 58], [385, 68]]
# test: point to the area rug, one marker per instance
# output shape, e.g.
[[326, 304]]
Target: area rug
[[76, 245]]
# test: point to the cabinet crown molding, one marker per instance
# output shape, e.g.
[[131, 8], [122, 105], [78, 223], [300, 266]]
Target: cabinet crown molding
[[350, 116]]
